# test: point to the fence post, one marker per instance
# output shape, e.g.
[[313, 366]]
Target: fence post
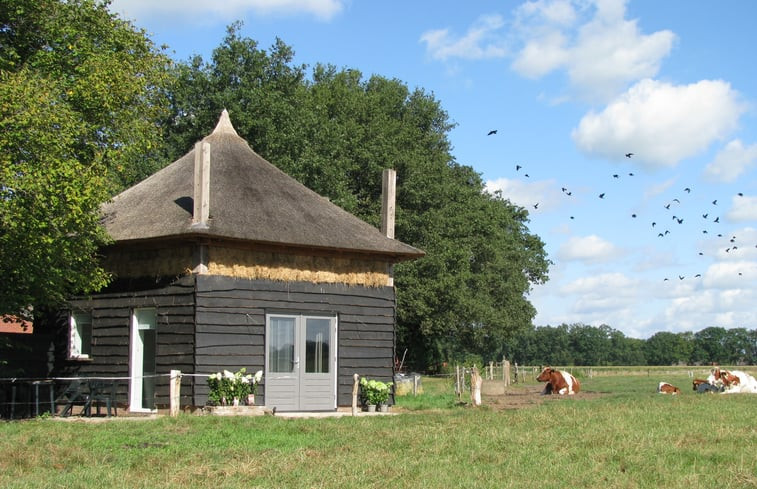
[[475, 386], [457, 381], [355, 386], [416, 378], [506, 372], [175, 393]]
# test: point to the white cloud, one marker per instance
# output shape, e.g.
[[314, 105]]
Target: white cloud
[[553, 40], [527, 194], [744, 208], [731, 162], [730, 275], [726, 308], [594, 297], [661, 123], [588, 249], [482, 41], [227, 9]]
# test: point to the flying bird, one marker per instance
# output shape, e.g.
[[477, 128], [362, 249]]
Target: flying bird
[[681, 277], [687, 190], [715, 202], [628, 155], [518, 167], [536, 205], [705, 215], [717, 219], [697, 275], [741, 194], [493, 131], [633, 215], [654, 224], [616, 176], [630, 174], [680, 221]]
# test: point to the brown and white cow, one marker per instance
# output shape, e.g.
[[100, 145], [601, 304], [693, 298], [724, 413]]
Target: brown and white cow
[[666, 388], [732, 382], [558, 382]]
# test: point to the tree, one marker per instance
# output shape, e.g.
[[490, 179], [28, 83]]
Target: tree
[[709, 346], [335, 133], [81, 92], [665, 348]]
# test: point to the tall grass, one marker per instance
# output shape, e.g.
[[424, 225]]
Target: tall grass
[[628, 437]]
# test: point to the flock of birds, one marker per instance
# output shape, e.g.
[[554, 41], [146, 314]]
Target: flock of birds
[[661, 230]]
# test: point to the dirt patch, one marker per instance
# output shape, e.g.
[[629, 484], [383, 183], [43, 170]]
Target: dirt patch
[[519, 397]]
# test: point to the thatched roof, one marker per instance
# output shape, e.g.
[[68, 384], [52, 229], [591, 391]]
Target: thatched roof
[[250, 200]]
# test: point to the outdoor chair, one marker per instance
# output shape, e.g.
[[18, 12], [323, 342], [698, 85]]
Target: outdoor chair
[[75, 393], [101, 391]]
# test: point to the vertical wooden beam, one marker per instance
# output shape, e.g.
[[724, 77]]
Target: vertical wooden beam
[[201, 197], [175, 392], [355, 387], [388, 201]]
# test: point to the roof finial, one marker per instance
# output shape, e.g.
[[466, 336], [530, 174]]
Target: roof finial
[[224, 125]]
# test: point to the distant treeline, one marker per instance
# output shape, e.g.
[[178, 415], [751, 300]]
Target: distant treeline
[[580, 344]]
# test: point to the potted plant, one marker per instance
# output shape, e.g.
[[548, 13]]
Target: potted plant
[[374, 392], [232, 388]]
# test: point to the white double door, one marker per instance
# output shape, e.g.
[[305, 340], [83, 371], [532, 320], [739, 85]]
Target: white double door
[[300, 362]]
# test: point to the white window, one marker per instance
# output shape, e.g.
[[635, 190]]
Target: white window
[[80, 342]]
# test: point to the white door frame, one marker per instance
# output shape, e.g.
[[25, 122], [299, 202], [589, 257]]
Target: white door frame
[[141, 320]]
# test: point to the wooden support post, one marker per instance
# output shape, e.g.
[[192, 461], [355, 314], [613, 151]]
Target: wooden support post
[[475, 386], [175, 393], [355, 387], [416, 378], [458, 391], [506, 375]]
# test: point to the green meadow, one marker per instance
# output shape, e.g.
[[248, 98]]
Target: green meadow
[[620, 434]]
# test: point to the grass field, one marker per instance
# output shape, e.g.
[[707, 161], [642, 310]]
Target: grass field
[[620, 434]]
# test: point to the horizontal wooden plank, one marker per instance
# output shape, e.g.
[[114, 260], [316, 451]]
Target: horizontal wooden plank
[[230, 328], [230, 350], [209, 340]]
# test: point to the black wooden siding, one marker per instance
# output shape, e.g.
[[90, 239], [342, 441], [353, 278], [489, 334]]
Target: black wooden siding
[[206, 324], [111, 322], [230, 331]]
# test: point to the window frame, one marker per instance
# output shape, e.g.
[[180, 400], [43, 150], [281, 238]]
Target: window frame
[[78, 348]]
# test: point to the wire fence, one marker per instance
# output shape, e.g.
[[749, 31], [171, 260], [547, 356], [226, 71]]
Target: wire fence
[[22, 397]]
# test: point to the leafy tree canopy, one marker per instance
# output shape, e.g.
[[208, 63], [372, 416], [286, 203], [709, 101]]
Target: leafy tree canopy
[[580, 344], [81, 93]]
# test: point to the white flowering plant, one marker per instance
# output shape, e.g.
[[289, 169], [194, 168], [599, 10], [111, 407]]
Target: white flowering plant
[[225, 386], [375, 392]]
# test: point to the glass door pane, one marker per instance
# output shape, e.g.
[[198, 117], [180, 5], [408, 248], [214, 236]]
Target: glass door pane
[[281, 345], [317, 346]]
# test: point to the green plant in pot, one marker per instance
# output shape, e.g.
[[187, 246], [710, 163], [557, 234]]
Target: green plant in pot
[[374, 392], [227, 387]]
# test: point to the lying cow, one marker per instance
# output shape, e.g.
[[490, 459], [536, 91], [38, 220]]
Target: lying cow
[[733, 381], [702, 386], [666, 388], [558, 382]]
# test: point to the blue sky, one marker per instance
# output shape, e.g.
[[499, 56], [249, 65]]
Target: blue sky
[[570, 87]]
